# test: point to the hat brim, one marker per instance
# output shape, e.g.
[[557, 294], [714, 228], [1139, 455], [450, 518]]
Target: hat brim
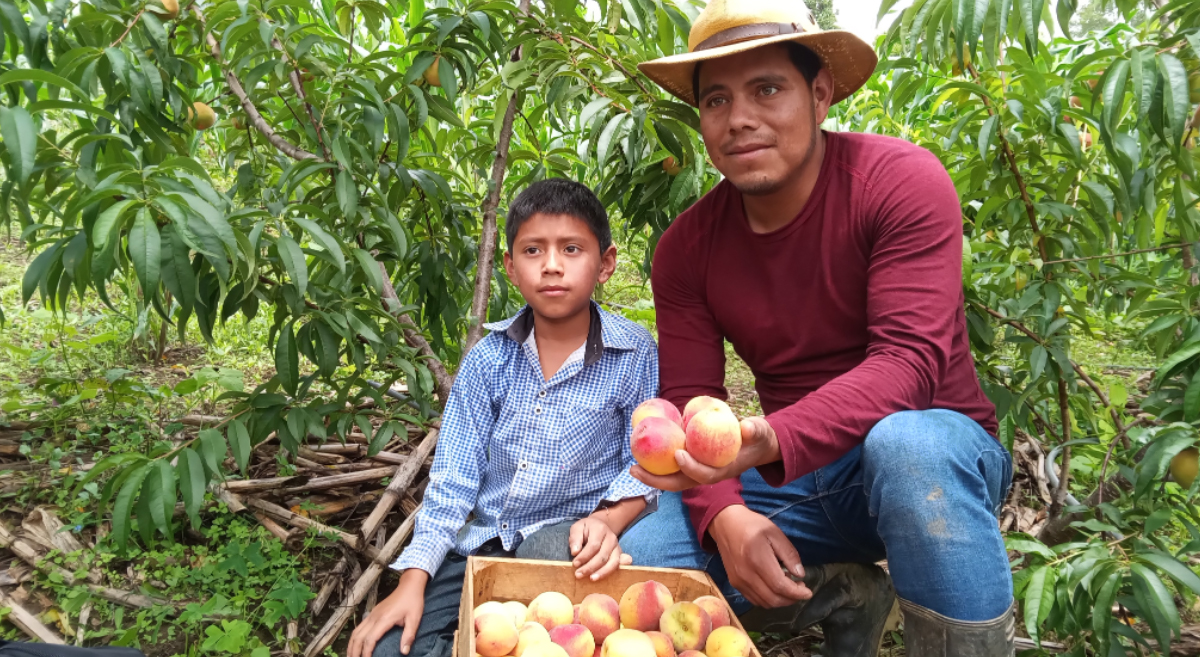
[[850, 60]]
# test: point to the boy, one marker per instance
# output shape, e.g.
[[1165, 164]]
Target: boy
[[535, 435]]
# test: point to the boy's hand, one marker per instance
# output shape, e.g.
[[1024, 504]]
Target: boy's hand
[[595, 549], [403, 608]]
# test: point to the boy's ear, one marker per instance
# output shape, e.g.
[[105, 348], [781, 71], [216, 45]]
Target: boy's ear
[[608, 263], [508, 267]]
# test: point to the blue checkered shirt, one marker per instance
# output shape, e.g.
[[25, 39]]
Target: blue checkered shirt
[[524, 453]]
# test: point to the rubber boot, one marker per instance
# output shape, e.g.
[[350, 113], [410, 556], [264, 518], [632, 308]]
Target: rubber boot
[[850, 603], [930, 634]]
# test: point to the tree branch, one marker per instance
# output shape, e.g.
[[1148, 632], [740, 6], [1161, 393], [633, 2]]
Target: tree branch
[[298, 87], [1064, 474], [255, 119], [488, 231], [412, 335], [1106, 256]]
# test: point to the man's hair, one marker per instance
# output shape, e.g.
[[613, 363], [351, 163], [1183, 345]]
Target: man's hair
[[803, 58], [558, 196]]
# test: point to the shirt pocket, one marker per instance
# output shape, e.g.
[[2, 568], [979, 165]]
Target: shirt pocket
[[589, 436]]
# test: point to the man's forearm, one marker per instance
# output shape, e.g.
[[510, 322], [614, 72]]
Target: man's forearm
[[619, 515]]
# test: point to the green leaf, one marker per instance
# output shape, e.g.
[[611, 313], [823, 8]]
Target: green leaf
[[1113, 94], [293, 261], [1175, 96], [381, 438], [190, 473], [370, 270], [331, 246], [287, 360], [986, 134], [20, 138], [37, 271], [123, 509], [1185, 353], [1161, 605], [145, 252], [108, 224], [347, 195], [239, 444], [1031, 15], [212, 449], [1172, 567], [1102, 611], [448, 80], [162, 501], [1039, 600]]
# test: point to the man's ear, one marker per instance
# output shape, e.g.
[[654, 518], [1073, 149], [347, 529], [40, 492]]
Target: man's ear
[[608, 263], [822, 93], [508, 267]]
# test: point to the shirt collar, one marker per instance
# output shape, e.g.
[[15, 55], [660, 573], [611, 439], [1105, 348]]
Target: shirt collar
[[604, 331]]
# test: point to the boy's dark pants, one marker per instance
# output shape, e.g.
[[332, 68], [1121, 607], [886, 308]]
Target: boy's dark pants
[[435, 637]]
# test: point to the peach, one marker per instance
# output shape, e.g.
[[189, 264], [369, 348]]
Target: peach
[[713, 437], [687, 624], [600, 614], [628, 643], [691, 653], [495, 635], [577, 640], [654, 443], [490, 607], [518, 611], [727, 641], [576, 609], [656, 408], [547, 649], [643, 604], [551, 609], [701, 403], [663, 646], [717, 611], [530, 634]]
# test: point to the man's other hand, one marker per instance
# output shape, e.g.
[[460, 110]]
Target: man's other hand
[[759, 447], [755, 553]]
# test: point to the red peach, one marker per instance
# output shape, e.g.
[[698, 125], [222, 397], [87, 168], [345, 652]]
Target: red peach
[[701, 403], [643, 604], [663, 647], [713, 437], [600, 614], [687, 624], [727, 641], [654, 443], [577, 640], [657, 408], [716, 608]]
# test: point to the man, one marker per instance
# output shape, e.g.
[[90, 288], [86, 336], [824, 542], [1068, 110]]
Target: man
[[832, 262]]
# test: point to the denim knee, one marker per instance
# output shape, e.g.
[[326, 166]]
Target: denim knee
[[388, 644]]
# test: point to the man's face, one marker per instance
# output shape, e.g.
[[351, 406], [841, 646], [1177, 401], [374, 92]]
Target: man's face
[[760, 118], [556, 262]]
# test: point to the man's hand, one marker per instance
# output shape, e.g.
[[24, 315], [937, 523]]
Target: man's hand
[[403, 608], [753, 548], [759, 447], [595, 549]]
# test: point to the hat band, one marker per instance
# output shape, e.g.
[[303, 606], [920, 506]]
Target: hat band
[[744, 32]]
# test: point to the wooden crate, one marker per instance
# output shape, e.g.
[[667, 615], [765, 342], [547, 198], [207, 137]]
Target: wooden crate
[[522, 580]]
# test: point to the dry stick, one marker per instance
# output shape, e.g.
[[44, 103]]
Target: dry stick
[[327, 587], [488, 231], [252, 114], [401, 480], [373, 594], [27, 622], [260, 485], [297, 520], [358, 592], [200, 420], [231, 500], [341, 480], [85, 612], [271, 526], [412, 335]]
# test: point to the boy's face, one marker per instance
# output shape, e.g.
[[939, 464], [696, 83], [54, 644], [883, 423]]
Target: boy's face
[[556, 262]]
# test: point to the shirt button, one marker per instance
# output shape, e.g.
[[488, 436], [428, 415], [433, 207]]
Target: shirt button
[[542, 393], [524, 465], [537, 410], [504, 525]]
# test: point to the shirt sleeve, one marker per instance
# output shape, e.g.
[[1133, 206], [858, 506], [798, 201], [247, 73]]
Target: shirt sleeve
[[691, 351], [644, 385], [913, 227], [458, 465]]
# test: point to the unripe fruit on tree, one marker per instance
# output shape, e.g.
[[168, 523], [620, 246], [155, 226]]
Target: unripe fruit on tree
[[237, 123], [201, 116], [431, 73], [1184, 466], [164, 9], [671, 166]]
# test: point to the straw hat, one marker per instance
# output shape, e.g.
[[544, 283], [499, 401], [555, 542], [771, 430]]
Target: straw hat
[[728, 27]]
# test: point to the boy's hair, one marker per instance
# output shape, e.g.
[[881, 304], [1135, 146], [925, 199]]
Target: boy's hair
[[803, 58], [558, 196]]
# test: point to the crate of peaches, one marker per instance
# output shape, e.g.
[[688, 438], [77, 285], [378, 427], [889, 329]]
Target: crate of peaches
[[521, 608], [708, 430]]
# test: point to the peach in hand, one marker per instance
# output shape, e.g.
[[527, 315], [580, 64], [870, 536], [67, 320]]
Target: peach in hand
[[713, 437], [643, 604], [495, 635], [701, 403], [654, 443], [600, 614], [656, 408], [551, 609], [627, 643], [727, 641], [577, 640], [717, 611], [687, 624]]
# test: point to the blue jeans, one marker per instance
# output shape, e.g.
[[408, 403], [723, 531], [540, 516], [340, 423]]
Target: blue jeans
[[922, 491], [435, 636]]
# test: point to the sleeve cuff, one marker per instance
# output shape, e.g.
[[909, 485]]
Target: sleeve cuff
[[787, 468], [422, 557]]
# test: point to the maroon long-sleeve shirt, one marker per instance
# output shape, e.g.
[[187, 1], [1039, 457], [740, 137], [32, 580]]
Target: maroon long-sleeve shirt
[[849, 313]]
